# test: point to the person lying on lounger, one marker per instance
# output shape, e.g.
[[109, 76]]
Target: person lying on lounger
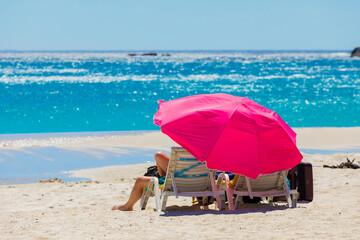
[[162, 162]]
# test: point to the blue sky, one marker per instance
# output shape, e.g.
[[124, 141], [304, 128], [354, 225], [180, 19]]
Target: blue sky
[[179, 25]]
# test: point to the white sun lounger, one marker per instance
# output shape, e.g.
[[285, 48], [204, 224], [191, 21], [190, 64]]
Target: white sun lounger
[[269, 185], [187, 177]]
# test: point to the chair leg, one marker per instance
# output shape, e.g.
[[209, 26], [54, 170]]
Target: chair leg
[[288, 198], [157, 195], [294, 200], [143, 201], [146, 194], [287, 190], [164, 201], [229, 194]]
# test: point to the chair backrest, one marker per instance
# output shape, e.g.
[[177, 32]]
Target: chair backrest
[[188, 173], [263, 182]]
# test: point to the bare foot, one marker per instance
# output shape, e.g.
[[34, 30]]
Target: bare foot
[[121, 208]]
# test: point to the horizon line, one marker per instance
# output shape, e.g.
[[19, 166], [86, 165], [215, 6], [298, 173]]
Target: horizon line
[[187, 50]]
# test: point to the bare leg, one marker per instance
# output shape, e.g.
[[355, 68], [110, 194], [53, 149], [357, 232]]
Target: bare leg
[[162, 162], [140, 183]]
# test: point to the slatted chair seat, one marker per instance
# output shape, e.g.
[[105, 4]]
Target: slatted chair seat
[[269, 185], [187, 177]]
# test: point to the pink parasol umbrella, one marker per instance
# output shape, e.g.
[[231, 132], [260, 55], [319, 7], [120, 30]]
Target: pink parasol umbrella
[[230, 133]]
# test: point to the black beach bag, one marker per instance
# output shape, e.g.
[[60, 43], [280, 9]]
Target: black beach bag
[[152, 172]]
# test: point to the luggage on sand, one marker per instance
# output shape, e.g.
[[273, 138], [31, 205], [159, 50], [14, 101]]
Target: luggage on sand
[[301, 177]]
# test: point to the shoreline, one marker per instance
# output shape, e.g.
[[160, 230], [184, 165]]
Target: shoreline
[[27, 158], [326, 138]]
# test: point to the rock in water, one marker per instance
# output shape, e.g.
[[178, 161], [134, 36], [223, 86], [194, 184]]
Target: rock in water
[[356, 52], [149, 54]]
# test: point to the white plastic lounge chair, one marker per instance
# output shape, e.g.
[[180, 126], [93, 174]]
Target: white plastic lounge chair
[[186, 176], [269, 185]]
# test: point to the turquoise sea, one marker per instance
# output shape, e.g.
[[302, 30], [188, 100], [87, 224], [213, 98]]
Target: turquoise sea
[[111, 91], [55, 97]]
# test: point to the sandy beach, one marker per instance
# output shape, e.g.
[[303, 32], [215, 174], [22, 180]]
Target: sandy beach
[[81, 210]]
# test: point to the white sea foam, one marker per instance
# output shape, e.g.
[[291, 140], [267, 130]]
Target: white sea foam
[[41, 142]]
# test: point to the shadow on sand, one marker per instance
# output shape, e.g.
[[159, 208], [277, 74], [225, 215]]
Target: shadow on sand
[[195, 210]]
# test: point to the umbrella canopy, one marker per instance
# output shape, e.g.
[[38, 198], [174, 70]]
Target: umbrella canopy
[[230, 133]]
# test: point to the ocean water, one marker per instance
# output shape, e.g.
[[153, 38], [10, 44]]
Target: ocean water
[[109, 91], [51, 95]]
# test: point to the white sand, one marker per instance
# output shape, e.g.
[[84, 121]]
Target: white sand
[[82, 210]]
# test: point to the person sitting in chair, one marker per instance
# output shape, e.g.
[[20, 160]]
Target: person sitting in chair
[[162, 162]]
